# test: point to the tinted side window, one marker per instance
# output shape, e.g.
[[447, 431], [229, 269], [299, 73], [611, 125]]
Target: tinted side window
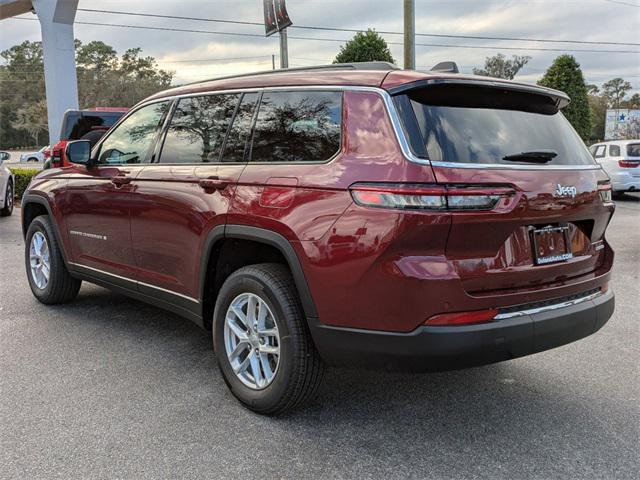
[[234, 147], [614, 150], [132, 141], [77, 124], [600, 151], [197, 129], [297, 127]]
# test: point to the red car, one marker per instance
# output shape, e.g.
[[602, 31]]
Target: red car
[[78, 124], [350, 215]]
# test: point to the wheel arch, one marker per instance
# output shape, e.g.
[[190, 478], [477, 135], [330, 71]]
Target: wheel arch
[[34, 206], [276, 247]]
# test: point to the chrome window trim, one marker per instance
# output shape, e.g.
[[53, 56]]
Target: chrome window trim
[[547, 308], [120, 277], [393, 116]]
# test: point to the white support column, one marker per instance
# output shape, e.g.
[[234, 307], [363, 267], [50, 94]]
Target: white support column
[[56, 23]]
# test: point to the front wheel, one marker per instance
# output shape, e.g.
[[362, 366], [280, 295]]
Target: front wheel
[[262, 341], [8, 201], [48, 276]]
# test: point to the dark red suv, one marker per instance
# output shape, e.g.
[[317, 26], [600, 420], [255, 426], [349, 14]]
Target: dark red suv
[[353, 214]]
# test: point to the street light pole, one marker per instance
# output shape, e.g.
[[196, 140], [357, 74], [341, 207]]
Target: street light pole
[[409, 34], [284, 49]]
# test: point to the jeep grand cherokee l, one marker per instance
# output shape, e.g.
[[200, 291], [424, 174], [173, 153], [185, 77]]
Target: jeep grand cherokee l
[[354, 214]]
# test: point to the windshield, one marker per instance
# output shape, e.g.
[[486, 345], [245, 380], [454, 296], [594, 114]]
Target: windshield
[[485, 127]]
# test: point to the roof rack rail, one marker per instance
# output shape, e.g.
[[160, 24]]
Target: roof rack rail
[[447, 67], [332, 66]]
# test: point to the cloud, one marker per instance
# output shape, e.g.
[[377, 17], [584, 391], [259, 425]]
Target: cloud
[[184, 53]]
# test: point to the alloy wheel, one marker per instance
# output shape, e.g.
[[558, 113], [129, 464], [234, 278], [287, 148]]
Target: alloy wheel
[[252, 341], [39, 260]]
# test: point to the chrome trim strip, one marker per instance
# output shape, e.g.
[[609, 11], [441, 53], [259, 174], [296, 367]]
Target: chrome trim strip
[[78, 265], [547, 308], [169, 292], [494, 166]]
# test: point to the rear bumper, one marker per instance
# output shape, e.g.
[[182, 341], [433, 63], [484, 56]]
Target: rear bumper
[[448, 348], [625, 181]]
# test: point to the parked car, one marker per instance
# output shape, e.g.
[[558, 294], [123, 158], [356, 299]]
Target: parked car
[[40, 156], [351, 215], [7, 183], [621, 160], [90, 124]]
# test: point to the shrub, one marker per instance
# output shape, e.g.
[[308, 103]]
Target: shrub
[[22, 176]]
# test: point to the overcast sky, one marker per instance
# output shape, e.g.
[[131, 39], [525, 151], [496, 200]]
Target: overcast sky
[[194, 56]]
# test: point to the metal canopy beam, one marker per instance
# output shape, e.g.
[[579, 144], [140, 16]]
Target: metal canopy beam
[[56, 24]]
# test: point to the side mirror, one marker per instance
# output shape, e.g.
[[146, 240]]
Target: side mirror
[[79, 152]]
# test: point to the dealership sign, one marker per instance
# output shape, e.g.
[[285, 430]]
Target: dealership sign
[[622, 123], [276, 17]]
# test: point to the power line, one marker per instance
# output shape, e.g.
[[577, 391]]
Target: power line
[[619, 2], [350, 30], [478, 47]]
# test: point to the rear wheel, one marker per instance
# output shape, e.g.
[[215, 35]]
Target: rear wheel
[[48, 276], [262, 341], [8, 201]]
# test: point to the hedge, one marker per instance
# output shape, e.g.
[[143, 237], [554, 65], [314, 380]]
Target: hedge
[[23, 177]]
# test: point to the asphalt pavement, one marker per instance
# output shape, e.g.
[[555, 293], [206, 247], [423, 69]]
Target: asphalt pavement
[[107, 387]]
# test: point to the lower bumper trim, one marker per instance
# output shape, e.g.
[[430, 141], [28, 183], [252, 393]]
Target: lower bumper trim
[[448, 348]]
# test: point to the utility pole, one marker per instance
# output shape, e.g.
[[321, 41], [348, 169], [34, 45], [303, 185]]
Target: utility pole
[[284, 49], [410, 34]]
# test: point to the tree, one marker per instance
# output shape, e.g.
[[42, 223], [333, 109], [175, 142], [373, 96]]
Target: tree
[[499, 67], [366, 46], [615, 90], [598, 107], [633, 102], [565, 74], [104, 79], [33, 120]]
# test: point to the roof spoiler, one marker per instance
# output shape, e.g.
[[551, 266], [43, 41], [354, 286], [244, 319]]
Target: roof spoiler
[[558, 98]]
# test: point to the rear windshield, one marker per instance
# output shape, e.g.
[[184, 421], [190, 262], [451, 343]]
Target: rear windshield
[[475, 125], [76, 124], [633, 150]]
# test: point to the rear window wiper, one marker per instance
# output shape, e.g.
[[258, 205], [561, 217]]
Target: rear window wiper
[[535, 156]]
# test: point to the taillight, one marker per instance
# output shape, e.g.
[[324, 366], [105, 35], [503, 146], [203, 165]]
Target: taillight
[[629, 163], [604, 189], [428, 197], [462, 318]]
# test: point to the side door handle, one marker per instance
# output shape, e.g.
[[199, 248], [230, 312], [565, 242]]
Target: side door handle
[[213, 183], [120, 180]]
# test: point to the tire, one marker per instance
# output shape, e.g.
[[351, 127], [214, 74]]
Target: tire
[[8, 201], [299, 369], [32, 159], [60, 287]]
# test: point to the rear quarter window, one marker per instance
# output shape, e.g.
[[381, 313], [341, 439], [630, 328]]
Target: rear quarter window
[[297, 127], [614, 150]]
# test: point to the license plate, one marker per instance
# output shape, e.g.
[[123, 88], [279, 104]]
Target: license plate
[[551, 244]]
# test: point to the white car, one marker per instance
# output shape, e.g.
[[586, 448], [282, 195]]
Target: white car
[[621, 160], [7, 182], [38, 156]]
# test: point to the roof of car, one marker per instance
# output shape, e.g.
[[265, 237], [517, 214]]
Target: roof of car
[[381, 75], [616, 142]]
